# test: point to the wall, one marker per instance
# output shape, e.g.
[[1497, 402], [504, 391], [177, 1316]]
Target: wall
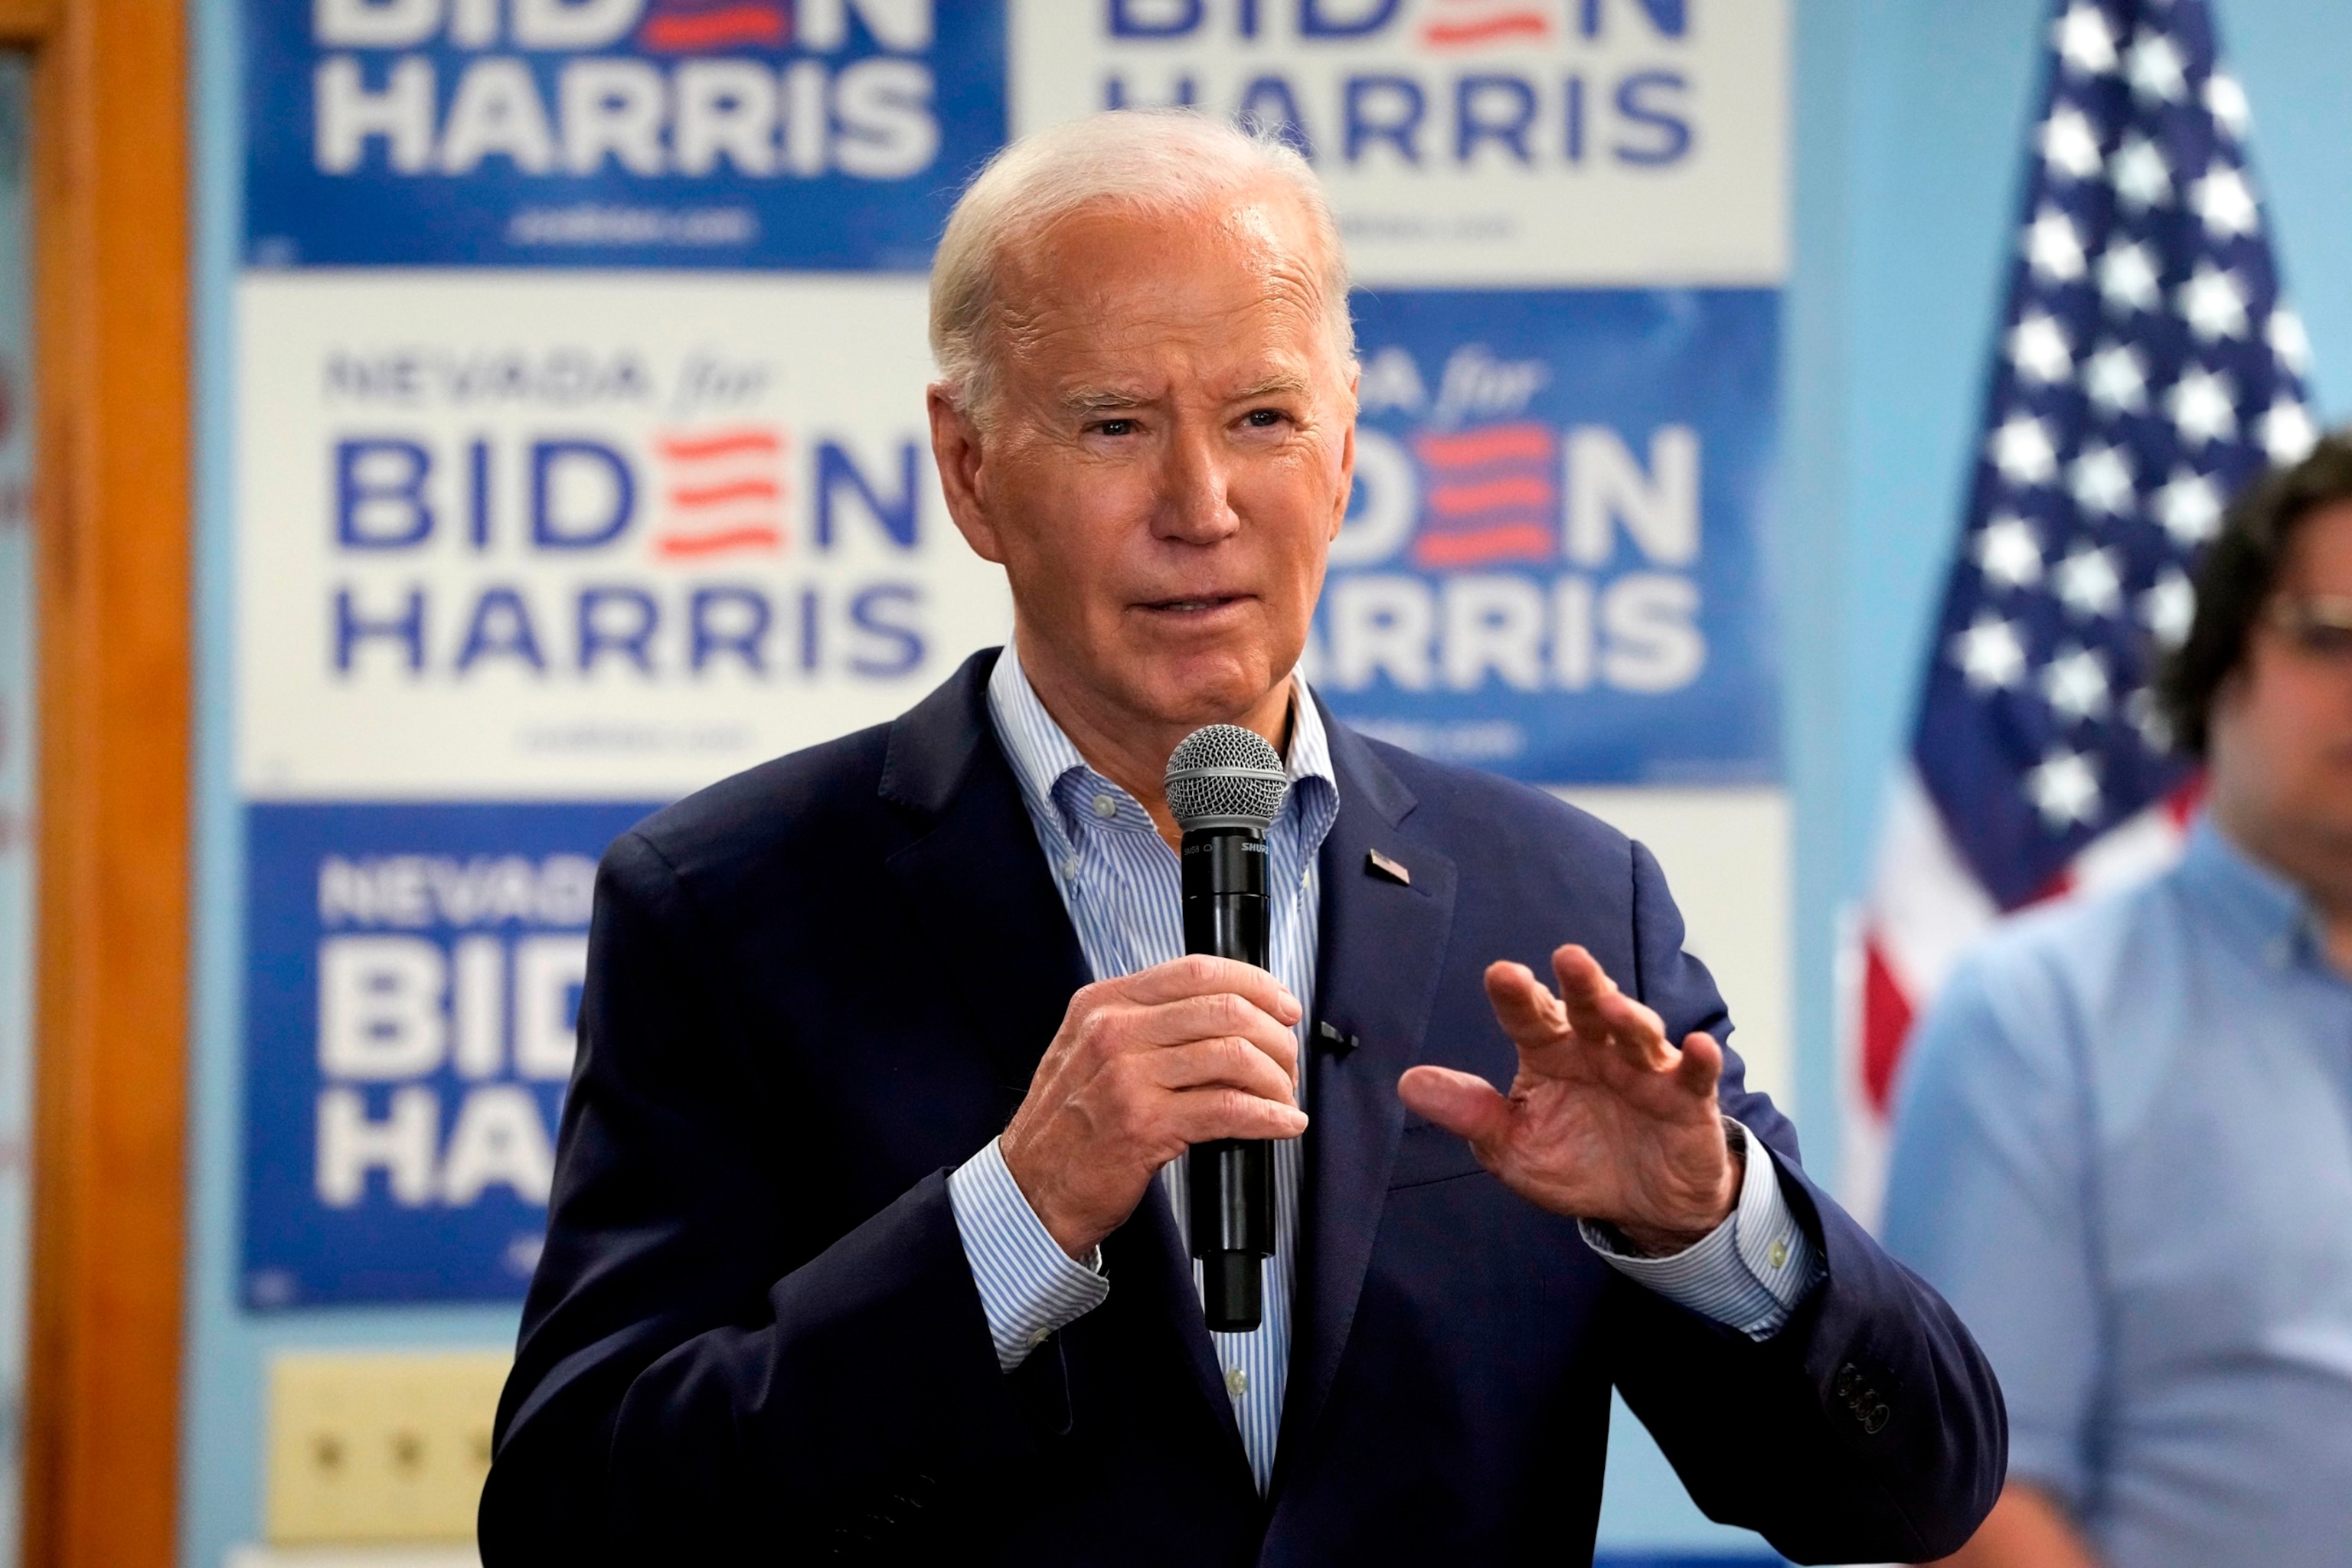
[[1909, 119]]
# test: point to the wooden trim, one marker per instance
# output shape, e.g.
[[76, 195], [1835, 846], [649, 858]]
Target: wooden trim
[[24, 23], [111, 543]]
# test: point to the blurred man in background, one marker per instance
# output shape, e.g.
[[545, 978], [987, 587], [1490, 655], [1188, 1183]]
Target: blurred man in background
[[2124, 1148]]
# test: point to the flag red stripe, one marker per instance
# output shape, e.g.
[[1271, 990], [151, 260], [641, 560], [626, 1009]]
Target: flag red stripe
[[1886, 1024]]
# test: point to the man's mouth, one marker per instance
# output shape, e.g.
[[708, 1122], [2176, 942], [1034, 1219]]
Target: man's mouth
[[1194, 606]]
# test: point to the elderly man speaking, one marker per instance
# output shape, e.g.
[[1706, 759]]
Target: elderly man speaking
[[868, 1239]]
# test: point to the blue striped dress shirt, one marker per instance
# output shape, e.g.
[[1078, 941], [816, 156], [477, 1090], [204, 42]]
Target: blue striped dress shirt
[[1123, 888]]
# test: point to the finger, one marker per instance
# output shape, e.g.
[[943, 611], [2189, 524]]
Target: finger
[[1701, 1069], [1198, 975], [1194, 1018], [1601, 1013], [1230, 1062], [1523, 1004], [1204, 1115], [1462, 1103]]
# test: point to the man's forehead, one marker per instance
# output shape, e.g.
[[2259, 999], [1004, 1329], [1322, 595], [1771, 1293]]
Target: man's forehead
[[1257, 242], [1131, 387]]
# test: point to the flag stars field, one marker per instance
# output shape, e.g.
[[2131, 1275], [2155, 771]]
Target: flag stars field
[[2055, 246], [2142, 179], [2101, 480], [2039, 349], [2127, 278], [1990, 654], [2074, 684], [2117, 380], [2024, 451], [2008, 554], [2070, 144], [2088, 583], [2202, 407], [2214, 303]]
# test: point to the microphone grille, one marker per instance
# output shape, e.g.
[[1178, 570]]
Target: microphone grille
[[1221, 774]]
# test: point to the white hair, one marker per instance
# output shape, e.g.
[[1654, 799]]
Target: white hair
[[1151, 161]]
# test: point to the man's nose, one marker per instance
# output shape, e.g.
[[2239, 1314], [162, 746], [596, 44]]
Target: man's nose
[[1195, 502]]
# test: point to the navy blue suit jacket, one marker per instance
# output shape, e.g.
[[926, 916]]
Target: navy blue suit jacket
[[817, 987]]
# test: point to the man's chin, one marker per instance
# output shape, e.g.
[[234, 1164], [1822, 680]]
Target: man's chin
[[1192, 690]]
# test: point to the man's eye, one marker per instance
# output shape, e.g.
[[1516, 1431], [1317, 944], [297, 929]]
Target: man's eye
[[1263, 418], [1115, 427]]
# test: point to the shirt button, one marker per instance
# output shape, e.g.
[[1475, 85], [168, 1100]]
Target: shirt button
[[1777, 1254], [1069, 866], [1037, 1339], [1105, 805], [1236, 1381]]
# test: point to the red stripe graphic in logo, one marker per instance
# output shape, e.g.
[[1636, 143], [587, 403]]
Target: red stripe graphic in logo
[[722, 492], [1470, 23], [682, 26], [1493, 495]]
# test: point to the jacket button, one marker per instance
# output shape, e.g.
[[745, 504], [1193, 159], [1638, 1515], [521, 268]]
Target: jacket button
[[1875, 1420], [1848, 1381]]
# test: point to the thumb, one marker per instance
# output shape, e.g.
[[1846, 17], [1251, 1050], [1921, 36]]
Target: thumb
[[1462, 1103]]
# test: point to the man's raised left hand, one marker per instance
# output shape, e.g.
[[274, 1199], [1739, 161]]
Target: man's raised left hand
[[1605, 1120]]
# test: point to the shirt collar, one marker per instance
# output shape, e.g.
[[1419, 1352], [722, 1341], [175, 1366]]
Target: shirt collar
[[1043, 758], [2251, 901]]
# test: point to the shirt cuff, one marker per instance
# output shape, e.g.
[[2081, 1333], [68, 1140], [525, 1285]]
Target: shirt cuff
[[1748, 1273], [1028, 1286]]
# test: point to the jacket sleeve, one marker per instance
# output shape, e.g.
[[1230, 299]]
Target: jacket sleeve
[[703, 1367], [1871, 1427]]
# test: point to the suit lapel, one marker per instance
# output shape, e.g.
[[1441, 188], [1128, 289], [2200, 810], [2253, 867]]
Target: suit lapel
[[1382, 945], [978, 880], [978, 883]]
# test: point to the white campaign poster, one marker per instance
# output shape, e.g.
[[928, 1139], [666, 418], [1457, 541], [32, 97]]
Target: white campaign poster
[[1502, 143], [581, 536]]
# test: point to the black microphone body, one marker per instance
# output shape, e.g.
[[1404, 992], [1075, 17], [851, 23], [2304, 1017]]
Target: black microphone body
[[1231, 1180], [1225, 785]]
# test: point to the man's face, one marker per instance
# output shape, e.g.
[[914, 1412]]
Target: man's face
[[2282, 726], [1166, 460]]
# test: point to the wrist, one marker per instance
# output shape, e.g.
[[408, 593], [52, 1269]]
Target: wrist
[[1038, 1192], [1664, 1240]]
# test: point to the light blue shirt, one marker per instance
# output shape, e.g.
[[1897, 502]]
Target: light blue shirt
[[2124, 1154], [1124, 890]]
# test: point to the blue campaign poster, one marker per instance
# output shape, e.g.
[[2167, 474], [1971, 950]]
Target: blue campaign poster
[[1555, 562], [412, 989], [813, 135]]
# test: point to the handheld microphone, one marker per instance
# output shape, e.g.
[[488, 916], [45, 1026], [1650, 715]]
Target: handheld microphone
[[1224, 785]]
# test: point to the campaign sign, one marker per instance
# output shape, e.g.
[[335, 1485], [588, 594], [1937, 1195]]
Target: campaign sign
[[573, 536], [817, 134], [413, 983], [1518, 143], [1554, 563]]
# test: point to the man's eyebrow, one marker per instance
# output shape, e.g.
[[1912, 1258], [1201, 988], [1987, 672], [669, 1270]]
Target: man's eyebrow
[[1103, 399], [1286, 383]]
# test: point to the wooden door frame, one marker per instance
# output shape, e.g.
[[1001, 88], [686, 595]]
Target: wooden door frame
[[109, 182]]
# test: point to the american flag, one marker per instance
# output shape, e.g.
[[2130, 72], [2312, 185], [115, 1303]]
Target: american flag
[[2146, 369]]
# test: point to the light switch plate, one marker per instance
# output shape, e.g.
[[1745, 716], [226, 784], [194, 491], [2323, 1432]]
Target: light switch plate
[[378, 1447]]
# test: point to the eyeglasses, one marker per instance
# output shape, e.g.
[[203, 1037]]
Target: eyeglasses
[[2318, 625]]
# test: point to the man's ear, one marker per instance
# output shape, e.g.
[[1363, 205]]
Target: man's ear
[[956, 450], [1347, 459]]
